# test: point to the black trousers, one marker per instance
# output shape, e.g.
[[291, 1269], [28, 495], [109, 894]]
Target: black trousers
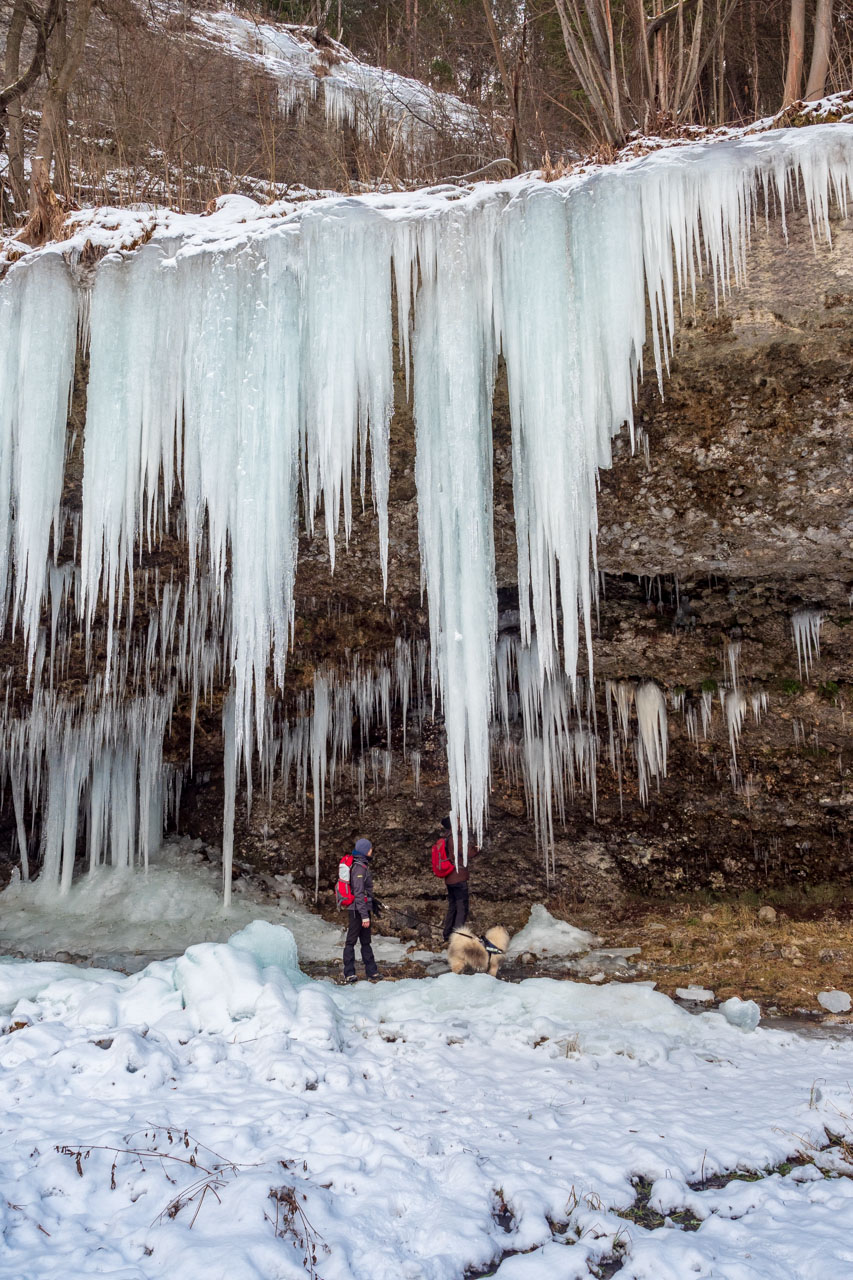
[[357, 933], [457, 908]]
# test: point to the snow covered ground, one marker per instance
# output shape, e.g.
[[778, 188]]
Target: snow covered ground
[[123, 919], [222, 1115]]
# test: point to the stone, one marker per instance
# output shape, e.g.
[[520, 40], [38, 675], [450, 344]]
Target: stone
[[834, 1001], [707, 917], [597, 977], [741, 1013], [791, 953], [767, 915], [698, 995]]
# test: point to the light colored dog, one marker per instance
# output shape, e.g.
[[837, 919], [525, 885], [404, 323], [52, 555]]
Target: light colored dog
[[466, 953]]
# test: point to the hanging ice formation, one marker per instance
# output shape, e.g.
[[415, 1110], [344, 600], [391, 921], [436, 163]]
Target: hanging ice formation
[[805, 626], [233, 362]]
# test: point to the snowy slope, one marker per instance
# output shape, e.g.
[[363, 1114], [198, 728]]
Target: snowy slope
[[365, 97], [146, 1120]]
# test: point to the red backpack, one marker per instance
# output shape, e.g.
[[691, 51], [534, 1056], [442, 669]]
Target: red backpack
[[441, 864], [344, 896]]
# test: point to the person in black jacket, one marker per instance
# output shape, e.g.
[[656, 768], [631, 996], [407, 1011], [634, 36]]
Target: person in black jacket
[[360, 912]]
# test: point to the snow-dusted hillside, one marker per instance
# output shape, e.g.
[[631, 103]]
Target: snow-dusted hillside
[[365, 97]]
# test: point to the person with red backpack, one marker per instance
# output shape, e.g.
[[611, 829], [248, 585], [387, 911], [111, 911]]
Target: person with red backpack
[[455, 877], [354, 891]]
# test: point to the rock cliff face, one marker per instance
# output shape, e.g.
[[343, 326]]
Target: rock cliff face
[[732, 514]]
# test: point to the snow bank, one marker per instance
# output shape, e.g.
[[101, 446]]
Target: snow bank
[[547, 937], [220, 1114]]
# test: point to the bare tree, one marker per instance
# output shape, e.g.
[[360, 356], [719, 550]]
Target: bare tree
[[17, 84], [652, 66], [511, 84], [796, 52], [821, 50], [65, 55]]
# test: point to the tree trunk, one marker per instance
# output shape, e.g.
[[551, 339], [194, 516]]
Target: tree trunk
[[515, 132], [14, 113], [821, 50], [796, 52], [53, 129]]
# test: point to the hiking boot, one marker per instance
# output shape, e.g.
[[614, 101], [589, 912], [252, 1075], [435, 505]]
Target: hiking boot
[[350, 979], [374, 977]]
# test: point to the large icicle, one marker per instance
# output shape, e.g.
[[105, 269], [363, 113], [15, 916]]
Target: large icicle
[[454, 372], [38, 315], [572, 316]]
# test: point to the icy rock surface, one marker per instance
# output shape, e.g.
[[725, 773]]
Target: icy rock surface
[[245, 357], [834, 1001]]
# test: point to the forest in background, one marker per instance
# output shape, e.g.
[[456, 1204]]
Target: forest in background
[[120, 101]]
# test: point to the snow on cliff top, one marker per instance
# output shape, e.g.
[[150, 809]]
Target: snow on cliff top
[[238, 218]]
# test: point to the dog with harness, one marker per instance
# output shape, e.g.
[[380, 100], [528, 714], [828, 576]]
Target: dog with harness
[[469, 953]]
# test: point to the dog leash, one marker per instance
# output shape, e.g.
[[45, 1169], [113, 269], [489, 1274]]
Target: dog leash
[[404, 915]]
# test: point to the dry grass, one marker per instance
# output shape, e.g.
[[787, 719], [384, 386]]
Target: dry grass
[[727, 948]]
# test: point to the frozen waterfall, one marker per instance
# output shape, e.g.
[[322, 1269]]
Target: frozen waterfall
[[238, 359]]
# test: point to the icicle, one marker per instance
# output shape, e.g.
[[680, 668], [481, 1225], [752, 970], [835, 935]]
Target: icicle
[[734, 707], [38, 316], [806, 625], [733, 660], [707, 708], [651, 735], [236, 361], [319, 741], [229, 739], [454, 368]]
